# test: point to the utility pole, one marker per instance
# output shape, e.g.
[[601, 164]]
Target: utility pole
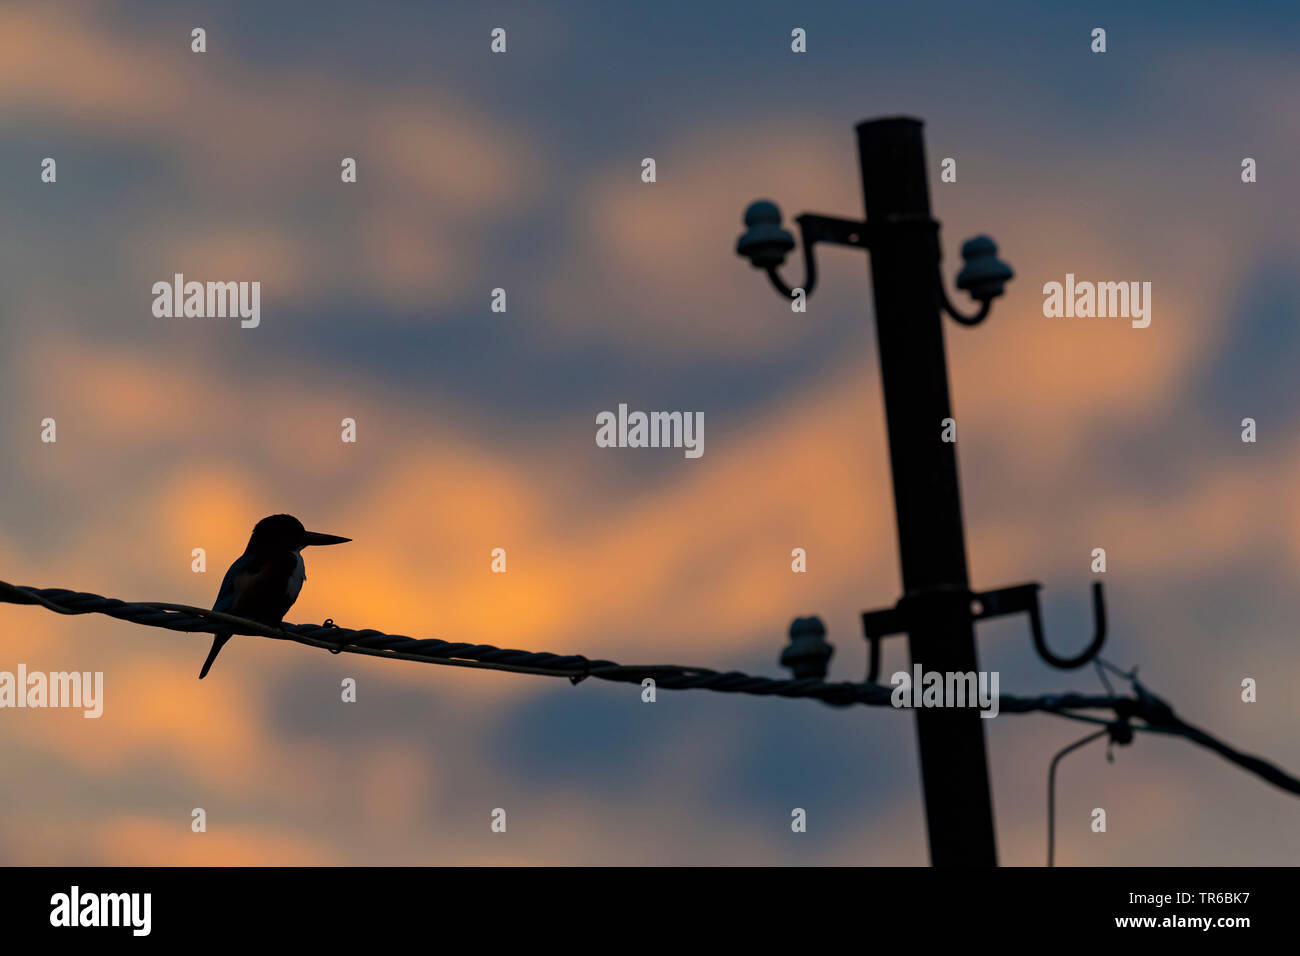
[[931, 542], [938, 610]]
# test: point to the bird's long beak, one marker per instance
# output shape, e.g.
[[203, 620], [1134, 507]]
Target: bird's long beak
[[315, 537]]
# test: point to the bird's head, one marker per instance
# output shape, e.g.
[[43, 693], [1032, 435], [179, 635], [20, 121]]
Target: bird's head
[[286, 533]]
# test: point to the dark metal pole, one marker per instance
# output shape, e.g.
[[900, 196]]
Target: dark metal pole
[[954, 771]]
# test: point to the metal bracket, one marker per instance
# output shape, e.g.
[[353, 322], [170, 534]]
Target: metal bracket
[[975, 318], [982, 604], [815, 228], [841, 232]]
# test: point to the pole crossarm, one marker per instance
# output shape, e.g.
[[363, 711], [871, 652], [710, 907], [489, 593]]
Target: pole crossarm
[[1156, 715]]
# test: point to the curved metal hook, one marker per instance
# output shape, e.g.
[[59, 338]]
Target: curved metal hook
[[1098, 638], [948, 307], [815, 228], [809, 269]]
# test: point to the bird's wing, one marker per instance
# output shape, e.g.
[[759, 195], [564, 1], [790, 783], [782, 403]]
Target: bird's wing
[[235, 582], [261, 589]]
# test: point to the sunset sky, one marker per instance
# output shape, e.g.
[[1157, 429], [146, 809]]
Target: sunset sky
[[476, 429]]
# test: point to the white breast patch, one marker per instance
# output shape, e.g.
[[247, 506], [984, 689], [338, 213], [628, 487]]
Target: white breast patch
[[296, 578]]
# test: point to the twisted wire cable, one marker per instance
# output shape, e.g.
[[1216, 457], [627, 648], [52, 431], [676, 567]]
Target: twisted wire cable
[[1156, 715]]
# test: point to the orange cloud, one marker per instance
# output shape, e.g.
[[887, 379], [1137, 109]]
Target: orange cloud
[[144, 841]]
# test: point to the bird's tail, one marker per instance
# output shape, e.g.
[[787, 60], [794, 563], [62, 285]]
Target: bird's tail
[[217, 644]]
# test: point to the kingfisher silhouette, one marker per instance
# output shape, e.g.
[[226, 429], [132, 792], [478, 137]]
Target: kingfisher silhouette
[[265, 580]]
